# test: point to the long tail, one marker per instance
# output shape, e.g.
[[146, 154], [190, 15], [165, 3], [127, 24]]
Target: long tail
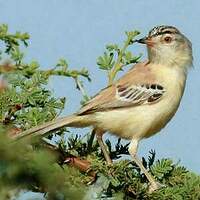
[[41, 130]]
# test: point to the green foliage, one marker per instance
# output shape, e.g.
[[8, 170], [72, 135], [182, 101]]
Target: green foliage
[[162, 168], [74, 167], [115, 58], [12, 40], [23, 167], [21, 102], [125, 178], [25, 102]]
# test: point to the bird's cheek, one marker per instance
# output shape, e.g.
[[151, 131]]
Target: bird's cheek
[[150, 43]]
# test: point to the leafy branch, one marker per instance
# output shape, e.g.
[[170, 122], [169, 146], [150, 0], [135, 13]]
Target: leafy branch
[[21, 102], [115, 58]]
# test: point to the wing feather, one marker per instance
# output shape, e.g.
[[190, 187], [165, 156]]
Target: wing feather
[[136, 87], [138, 94]]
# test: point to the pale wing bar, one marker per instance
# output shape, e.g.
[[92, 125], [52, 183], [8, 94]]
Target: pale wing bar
[[140, 94]]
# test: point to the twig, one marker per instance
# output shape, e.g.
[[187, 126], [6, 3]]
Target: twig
[[74, 161], [82, 89]]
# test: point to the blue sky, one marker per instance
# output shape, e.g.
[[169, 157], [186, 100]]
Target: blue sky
[[79, 30]]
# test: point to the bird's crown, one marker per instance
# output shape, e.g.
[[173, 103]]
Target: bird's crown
[[160, 30]]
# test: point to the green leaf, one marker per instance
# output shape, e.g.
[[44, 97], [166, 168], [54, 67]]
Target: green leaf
[[106, 62], [63, 63], [112, 47], [161, 168], [3, 29]]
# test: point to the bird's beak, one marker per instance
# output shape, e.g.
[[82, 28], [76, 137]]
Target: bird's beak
[[142, 40], [146, 40]]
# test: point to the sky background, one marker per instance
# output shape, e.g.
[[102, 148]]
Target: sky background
[[78, 30]]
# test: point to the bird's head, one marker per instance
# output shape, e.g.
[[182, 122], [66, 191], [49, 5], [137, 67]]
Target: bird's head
[[167, 45]]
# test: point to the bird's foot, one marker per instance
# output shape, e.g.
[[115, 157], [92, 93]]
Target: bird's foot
[[155, 186]]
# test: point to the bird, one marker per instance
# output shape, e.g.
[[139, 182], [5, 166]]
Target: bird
[[141, 102]]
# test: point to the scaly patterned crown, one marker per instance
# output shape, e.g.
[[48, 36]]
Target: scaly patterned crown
[[160, 30]]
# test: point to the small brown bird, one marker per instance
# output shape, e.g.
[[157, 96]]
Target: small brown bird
[[140, 103]]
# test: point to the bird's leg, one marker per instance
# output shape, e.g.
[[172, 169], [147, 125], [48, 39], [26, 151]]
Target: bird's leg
[[103, 147], [133, 152]]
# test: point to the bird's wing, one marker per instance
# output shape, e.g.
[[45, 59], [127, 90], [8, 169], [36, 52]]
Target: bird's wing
[[135, 88]]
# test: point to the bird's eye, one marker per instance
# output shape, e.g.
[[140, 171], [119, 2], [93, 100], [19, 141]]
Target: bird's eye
[[167, 39]]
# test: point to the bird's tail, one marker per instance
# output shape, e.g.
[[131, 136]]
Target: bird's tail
[[41, 130]]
